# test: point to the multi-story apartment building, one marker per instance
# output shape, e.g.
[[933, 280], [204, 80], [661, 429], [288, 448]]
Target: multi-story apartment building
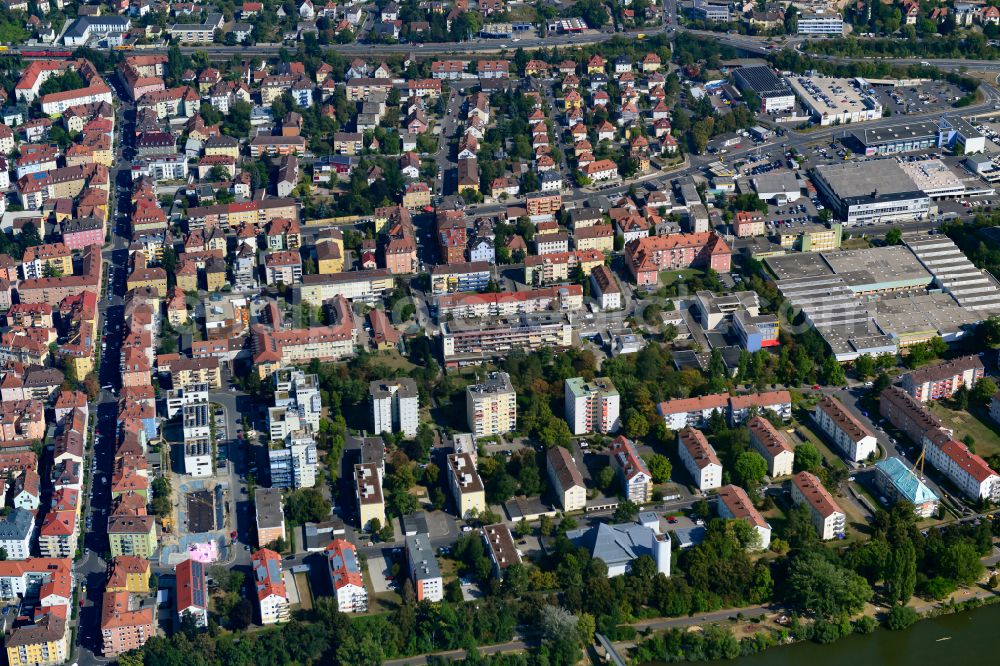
[[17, 530], [742, 406], [692, 412], [128, 573], [942, 380], [567, 298], [466, 485], [293, 462], [466, 341], [491, 406], [368, 493], [395, 406], [367, 286], [605, 289], [699, 459], [566, 479], [283, 267], [423, 568], [646, 257], [768, 442], [272, 598], [637, 482], [501, 548], [191, 593], [735, 504], [297, 404], [895, 481], [463, 276], [904, 412], [44, 643], [345, 577], [973, 476], [126, 623], [57, 536], [547, 269], [827, 516], [270, 515], [853, 439], [592, 406], [272, 350], [132, 534]]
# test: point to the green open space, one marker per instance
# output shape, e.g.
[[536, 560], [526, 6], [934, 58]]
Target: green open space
[[974, 423], [667, 278]]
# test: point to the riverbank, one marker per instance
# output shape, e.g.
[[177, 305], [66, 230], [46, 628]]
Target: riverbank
[[757, 630]]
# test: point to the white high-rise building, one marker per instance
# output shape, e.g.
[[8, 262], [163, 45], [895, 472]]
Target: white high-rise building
[[297, 403], [294, 465], [592, 406], [491, 407], [395, 406]]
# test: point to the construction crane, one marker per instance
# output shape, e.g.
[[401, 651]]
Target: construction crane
[[920, 461]]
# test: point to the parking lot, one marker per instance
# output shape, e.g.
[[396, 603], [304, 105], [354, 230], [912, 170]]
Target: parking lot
[[927, 97]]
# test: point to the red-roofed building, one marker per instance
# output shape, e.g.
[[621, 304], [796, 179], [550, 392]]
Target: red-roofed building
[[272, 598], [345, 576], [646, 257]]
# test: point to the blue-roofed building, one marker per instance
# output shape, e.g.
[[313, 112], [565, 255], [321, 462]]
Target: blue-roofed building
[[192, 593], [619, 545], [897, 482]]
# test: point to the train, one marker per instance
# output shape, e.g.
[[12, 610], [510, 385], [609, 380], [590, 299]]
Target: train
[[51, 53]]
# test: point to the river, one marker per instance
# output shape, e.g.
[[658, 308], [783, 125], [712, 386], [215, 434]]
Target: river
[[970, 640]]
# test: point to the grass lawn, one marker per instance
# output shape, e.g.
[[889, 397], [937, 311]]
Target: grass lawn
[[393, 359], [804, 433], [858, 243], [305, 591], [669, 277], [975, 423]]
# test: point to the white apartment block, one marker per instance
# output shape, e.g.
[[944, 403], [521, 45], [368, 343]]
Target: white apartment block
[[466, 485], [692, 412], [423, 568], [368, 492], [189, 395], [395, 406], [592, 406], [566, 479], [965, 469], [294, 464], [735, 504], [700, 459], [637, 482], [853, 439], [491, 407], [827, 516], [768, 442]]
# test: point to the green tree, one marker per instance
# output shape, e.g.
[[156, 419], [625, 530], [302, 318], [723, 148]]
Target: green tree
[[864, 366], [807, 458], [894, 236], [306, 505], [983, 391], [901, 617], [818, 585], [901, 571], [659, 467], [750, 469]]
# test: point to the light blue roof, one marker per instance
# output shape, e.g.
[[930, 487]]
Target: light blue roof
[[906, 481]]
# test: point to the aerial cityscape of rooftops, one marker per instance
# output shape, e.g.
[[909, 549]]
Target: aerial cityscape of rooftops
[[494, 332]]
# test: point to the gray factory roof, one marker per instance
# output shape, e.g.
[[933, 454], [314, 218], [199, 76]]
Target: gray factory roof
[[878, 268], [904, 131], [872, 178]]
